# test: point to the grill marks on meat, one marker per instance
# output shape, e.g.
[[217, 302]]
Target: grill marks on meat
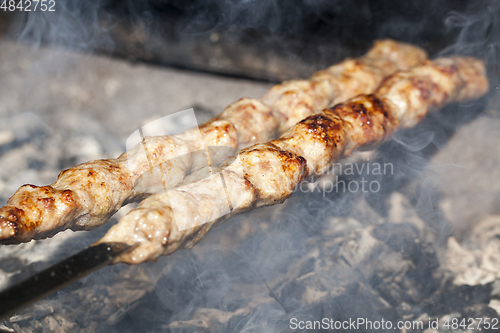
[[319, 139], [83, 196], [266, 174], [152, 166], [367, 122], [273, 172]]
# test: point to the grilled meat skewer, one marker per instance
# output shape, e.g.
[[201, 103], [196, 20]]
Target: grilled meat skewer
[[85, 196], [267, 173]]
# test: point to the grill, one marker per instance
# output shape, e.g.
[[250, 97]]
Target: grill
[[414, 244]]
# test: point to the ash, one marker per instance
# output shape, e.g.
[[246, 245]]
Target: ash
[[426, 246]]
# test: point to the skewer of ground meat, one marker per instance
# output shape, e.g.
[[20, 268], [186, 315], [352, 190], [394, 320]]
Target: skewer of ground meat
[[267, 173], [85, 196]]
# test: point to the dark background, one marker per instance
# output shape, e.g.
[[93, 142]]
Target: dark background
[[261, 39]]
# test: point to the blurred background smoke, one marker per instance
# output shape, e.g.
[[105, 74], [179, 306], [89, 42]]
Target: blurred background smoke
[[262, 39]]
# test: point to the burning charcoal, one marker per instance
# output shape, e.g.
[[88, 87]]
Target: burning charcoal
[[179, 292], [477, 260], [256, 314], [485, 230], [304, 284], [479, 311], [401, 238], [490, 260], [371, 256], [466, 266], [452, 298], [363, 303], [105, 300], [404, 239], [470, 319], [58, 323], [337, 227], [4, 328], [461, 261], [364, 213], [6, 137], [495, 305], [401, 210]]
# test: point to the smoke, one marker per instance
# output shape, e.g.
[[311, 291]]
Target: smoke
[[311, 257], [421, 139], [72, 24], [477, 29], [477, 33]]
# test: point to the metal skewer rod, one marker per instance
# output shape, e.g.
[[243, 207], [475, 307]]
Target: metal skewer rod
[[19, 296]]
